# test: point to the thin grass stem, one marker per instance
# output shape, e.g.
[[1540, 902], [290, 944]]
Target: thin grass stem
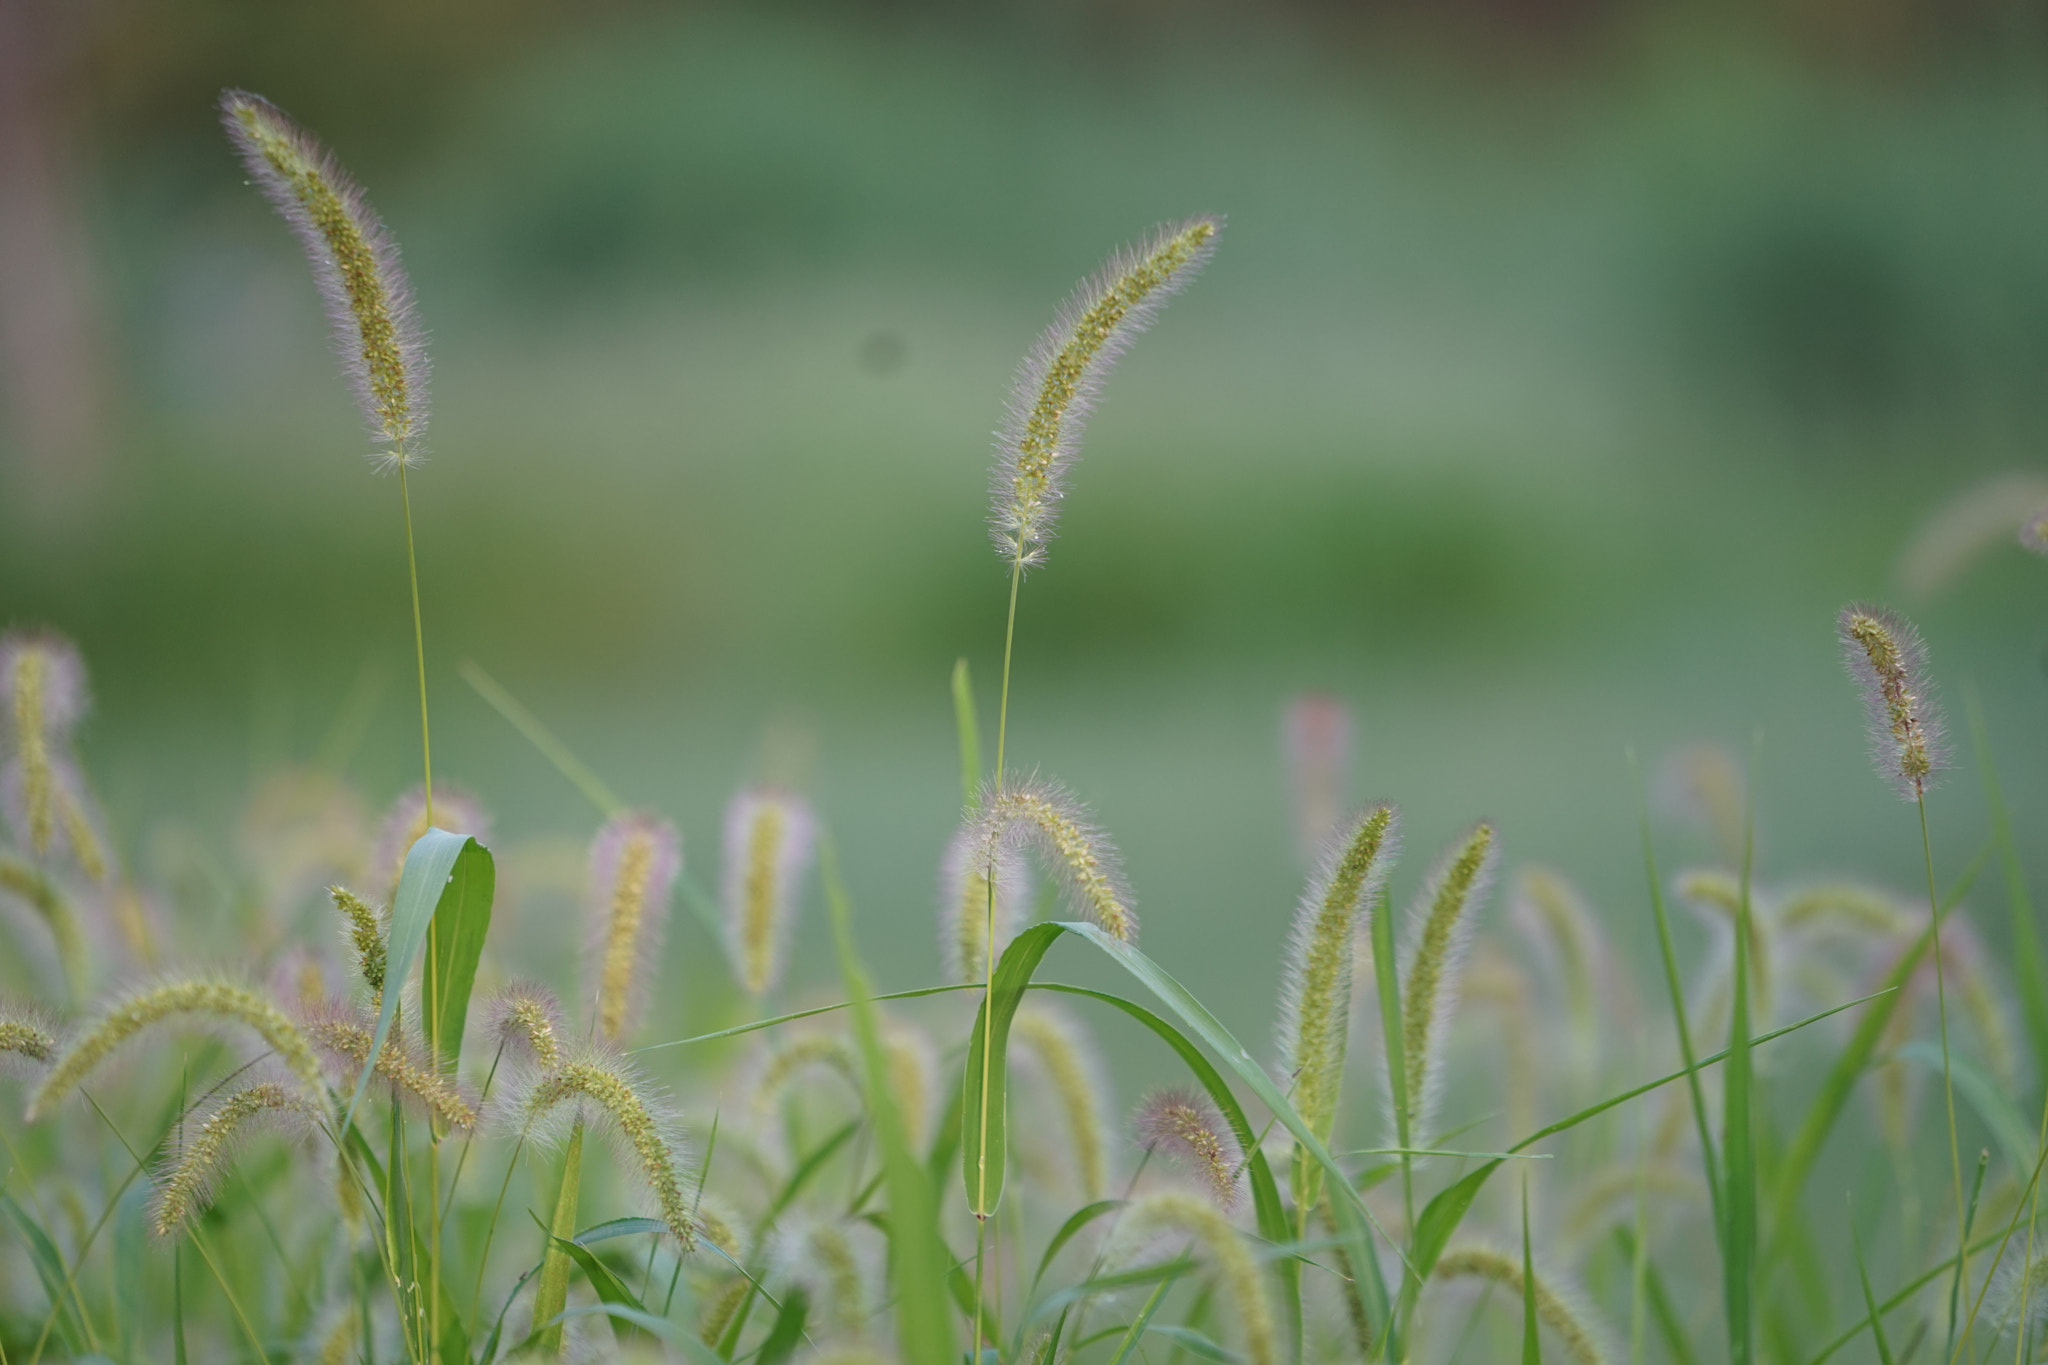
[[419, 644], [1948, 1087]]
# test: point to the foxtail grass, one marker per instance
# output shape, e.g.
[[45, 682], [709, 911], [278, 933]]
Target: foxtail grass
[[402, 1063], [1440, 925], [1185, 1127], [768, 848], [1557, 1311], [1244, 1288], [188, 1179], [634, 862], [1054, 821], [1055, 1042]]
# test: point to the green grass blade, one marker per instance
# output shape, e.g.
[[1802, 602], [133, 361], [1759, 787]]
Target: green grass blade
[[399, 1240], [1138, 1325], [461, 921], [428, 866], [918, 1256], [1900, 1296], [601, 1279], [1670, 1325], [970, 734], [49, 1267], [1532, 1349], [1194, 1343], [552, 1292], [1871, 1315], [1081, 1218], [786, 1333], [983, 1145]]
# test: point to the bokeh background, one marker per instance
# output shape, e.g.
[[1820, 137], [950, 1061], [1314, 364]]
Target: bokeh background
[[1564, 368]]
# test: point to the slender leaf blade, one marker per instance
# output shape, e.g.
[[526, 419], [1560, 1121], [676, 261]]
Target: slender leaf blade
[[461, 921]]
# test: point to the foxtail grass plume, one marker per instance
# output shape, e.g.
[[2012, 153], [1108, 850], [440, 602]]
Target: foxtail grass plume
[[214, 1132], [1889, 662], [634, 861], [1860, 912], [1315, 995], [455, 810], [823, 1257], [601, 1088], [354, 259], [964, 906], [1054, 1044], [345, 1035], [1439, 932], [1053, 820], [42, 696], [365, 930], [1957, 533], [1171, 1211], [19, 881], [1316, 731], [768, 849], [210, 1001], [1184, 1126], [911, 1063], [28, 1040], [1565, 934], [1703, 784], [1554, 1308], [1497, 984], [526, 1019], [1057, 384]]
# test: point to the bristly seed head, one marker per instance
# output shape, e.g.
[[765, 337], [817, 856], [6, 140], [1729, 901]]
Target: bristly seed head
[[1185, 1126], [768, 847], [634, 862], [1057, 384], [355, 261], [42, 696], [346, 1035], [21, 881], [215, 1001], [1315, 999], [1889, 662], [1554, 1309], [1051, 818], [1056, 1044], [600, 1085], [214, 1132], [365, 929], [1440, 929], [526, 1018], [28, 1040], [1243, 1288]]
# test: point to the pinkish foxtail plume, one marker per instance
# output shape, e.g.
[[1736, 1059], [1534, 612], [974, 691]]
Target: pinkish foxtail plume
[[634, 862], [768, 848], [1888, 659], [1185, 1126], [355, 261]]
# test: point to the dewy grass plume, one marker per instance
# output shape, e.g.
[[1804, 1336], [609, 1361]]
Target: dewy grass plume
[[403, 1063], [25, 883], [42, 696], [634, 862], [28, 1040], [768, 848], [526, 1018], [212, 1001]]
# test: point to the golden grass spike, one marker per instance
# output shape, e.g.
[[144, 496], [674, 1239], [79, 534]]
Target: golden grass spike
[[1243, 1288], [1557, 1312], [1060, 1047], [634, 862], [67, 935], [347, 1037], [964, 904], [1054, 820], [355, 261], [187, 1180], [525, 1017], [1315, 996], [601, 1086], [768, 847], [1056, 386], [212, 1000], [1888, 659], [1184, 1125], [1440, 930], [365, 938]]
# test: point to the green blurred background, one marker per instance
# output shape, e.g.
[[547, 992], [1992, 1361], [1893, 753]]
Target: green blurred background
[[1564, 368]]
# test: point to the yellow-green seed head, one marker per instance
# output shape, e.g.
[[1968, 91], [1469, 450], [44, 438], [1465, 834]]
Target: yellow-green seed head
[[1565, 934], [768, 849], [212, 1137], [345, 1036], [1889, 662], [28, 1040], [966, 906], [1555, 1309], [20, 881], [526, 1018], [207, 1001], [1315, 996], [1058, 382], [354, 260], [1237, 1272], [1185, 1127], [1052, 820], [364, 928], [1440, 924], [634, 862], [605, 1090]]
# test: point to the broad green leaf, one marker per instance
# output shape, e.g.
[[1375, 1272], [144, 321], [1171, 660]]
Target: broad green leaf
[[918, 1255], [428, 866], [49, 1266], [462, 919], [607, 1285], [1137, 1328], [983, 1134], [675, 1338], [787, 1332]]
